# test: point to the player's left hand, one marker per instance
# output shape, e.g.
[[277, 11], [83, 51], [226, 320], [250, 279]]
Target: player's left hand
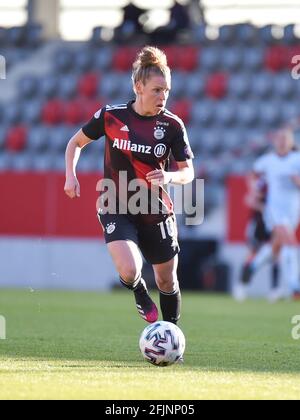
[[159, 177]]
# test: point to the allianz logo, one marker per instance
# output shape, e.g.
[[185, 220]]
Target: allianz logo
[[127, 145]]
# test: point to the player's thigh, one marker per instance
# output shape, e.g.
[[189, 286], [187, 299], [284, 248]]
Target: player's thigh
[[127, 259], [284, 235]]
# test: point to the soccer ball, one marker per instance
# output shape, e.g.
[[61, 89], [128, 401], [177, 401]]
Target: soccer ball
[[162, 344]]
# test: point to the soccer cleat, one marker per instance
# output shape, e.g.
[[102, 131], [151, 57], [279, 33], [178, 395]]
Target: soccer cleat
[[247, 274], [276, 295], [145, 305], [149, 314], [240, 293]]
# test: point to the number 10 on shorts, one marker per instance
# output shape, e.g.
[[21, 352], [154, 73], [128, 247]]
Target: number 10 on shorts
[[167, 227]]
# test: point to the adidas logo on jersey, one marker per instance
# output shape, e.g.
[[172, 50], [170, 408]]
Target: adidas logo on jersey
[[125, 128]]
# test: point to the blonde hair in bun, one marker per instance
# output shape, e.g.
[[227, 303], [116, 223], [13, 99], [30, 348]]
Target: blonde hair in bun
[[150, 61]]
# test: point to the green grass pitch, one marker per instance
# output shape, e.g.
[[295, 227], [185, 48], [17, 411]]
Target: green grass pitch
[[63, 345]]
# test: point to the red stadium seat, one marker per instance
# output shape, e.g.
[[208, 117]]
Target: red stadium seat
[[172, 56], [292, 52], [90, 107], [183, 109], [187, 58], [16, 138], [276, 58], [73, 113], [53, 112], [88, 85], [123, 58], [217, 85]]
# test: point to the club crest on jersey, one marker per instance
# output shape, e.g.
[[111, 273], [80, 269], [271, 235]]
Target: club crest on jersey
[[159, 133], [160, 150]]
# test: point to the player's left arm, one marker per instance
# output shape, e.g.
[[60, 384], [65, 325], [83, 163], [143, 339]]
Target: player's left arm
[[183, 176]]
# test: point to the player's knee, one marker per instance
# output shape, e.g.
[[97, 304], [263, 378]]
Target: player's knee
[[129, 273], [167, 284]]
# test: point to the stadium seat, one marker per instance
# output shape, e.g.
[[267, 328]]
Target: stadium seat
[[3, 130], [73, 112], [239, 85], [12, 113], [195, 85], [31, 112], [63, 60], [210, 59], [248, 113], [90, 107], [28, 87], [16, 138], [190, 62], [58, 138], [5, 161], [179, 81], [233, 139], [275, 58], [217, 85], [21, 162], [228, 34], [123, 58], [68, 86], [88, 85], [247, 34], [289, 110], [53, 112], [43, 162], [84, 60], [103, 58], [271, 34], [213, 140], [110, 86], [262, 85], [232, 59], [270, 114], [253, 58], [203, 113], [285, 87], [48, 87], [200, 35], [226, 113], [182, 109], [38, 138]]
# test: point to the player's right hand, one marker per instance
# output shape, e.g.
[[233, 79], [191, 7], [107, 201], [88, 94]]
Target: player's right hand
[[72, 187]]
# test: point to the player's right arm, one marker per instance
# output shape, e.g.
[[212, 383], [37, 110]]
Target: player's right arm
[[93, 130], [75, 145]]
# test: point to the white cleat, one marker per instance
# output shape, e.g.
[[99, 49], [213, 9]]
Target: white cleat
[[276, 295], [240, 293]]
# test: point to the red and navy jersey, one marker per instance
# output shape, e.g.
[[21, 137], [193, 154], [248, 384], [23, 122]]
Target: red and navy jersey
[[138, 145]]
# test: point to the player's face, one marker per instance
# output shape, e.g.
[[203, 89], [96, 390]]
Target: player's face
[[284, 142], [154, 94]]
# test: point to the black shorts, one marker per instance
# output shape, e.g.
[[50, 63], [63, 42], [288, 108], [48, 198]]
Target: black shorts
[[158, 243]]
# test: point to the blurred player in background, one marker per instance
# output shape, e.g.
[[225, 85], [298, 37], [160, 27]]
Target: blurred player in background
[[140, 136], [280, 172], [258, 236]]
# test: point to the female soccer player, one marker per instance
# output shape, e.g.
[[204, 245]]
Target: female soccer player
[[140, 136], [281, 172]]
